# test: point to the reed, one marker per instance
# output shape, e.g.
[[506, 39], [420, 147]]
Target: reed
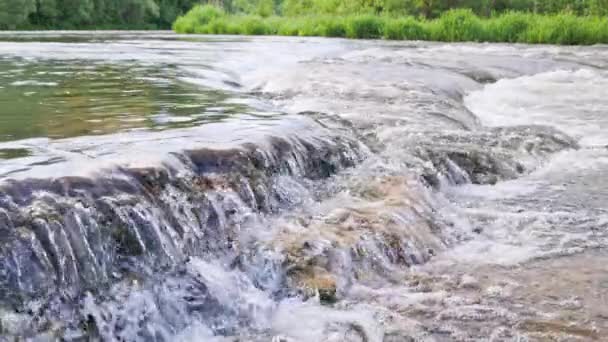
[[459, 25]]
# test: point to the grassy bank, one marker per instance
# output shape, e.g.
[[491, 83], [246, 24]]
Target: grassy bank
[[452, 26]]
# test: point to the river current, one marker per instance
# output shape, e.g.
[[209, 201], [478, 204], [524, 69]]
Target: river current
[[158, 187]]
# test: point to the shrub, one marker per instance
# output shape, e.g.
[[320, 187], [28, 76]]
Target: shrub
[[569, 29], [454, 25], [563, 29], [364, 26], [326, 26], [404, 28], [601, 30], [509, 27], [204, 14], [333, 27], [253, 25], [309, 26], [458, 26], [217, 26], [184, 25], [196, 18], [265, 8], [287, 27], [296, 7]]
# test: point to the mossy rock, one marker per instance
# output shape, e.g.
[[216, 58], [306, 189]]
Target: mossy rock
[[317, 280]]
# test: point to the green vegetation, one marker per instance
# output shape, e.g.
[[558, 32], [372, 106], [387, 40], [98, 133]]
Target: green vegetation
[[534, 21], [523, 21], [87, 14], [426, 8]]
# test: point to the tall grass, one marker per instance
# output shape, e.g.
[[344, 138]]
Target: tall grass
[[199, 18], [511, 27], [406, 28], [364, 26], [454, 25], [457, 26]]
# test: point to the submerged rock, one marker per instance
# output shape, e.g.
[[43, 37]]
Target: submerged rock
[[70, 234], [388, 227], [315, 280], [486, 157]]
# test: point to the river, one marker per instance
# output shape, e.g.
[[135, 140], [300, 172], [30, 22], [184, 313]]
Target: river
[[158, 187]]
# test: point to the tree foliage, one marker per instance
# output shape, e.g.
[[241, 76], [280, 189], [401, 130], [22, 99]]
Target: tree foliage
[[75, 14], [14, 12]]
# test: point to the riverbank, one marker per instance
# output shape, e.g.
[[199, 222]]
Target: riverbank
[[452, 26]]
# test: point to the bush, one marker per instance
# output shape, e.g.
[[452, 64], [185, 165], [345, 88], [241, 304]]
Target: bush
[[217, 26], [333, 27], [601, 30], [288, 27], [196, 18], [454, 25], [296, 7], [568, 29], [404, 28], [184, 25], [458, 26], [309, 26], [202, 15], [364, 26], [509, 27], [327, 26], [265, 8], [564, 29], [252, 25]]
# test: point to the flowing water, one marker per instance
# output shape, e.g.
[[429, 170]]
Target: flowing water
[[157, 187]]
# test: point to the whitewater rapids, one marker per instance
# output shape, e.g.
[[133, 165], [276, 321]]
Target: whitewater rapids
[[302, 189]]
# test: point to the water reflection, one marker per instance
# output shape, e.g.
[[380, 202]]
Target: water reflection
[[12, 153], [74, 98]]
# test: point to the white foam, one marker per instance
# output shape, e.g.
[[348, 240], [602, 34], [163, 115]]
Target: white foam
[[490, 252], [34, 83], [573, 101], [235, 290], [308, 321]]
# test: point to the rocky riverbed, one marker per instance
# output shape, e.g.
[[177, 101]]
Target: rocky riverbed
[[164, 187]]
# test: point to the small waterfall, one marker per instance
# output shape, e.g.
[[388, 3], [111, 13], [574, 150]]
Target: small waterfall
[[380, 208], [135, 252], [75, 233]]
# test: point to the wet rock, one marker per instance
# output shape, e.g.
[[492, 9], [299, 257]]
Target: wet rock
[[486, 157], [369, 242], [127, 242], [398, 337], [77, 233], [554, 329], [318, 281], [481, 76], [469, 282], [355, 333]]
